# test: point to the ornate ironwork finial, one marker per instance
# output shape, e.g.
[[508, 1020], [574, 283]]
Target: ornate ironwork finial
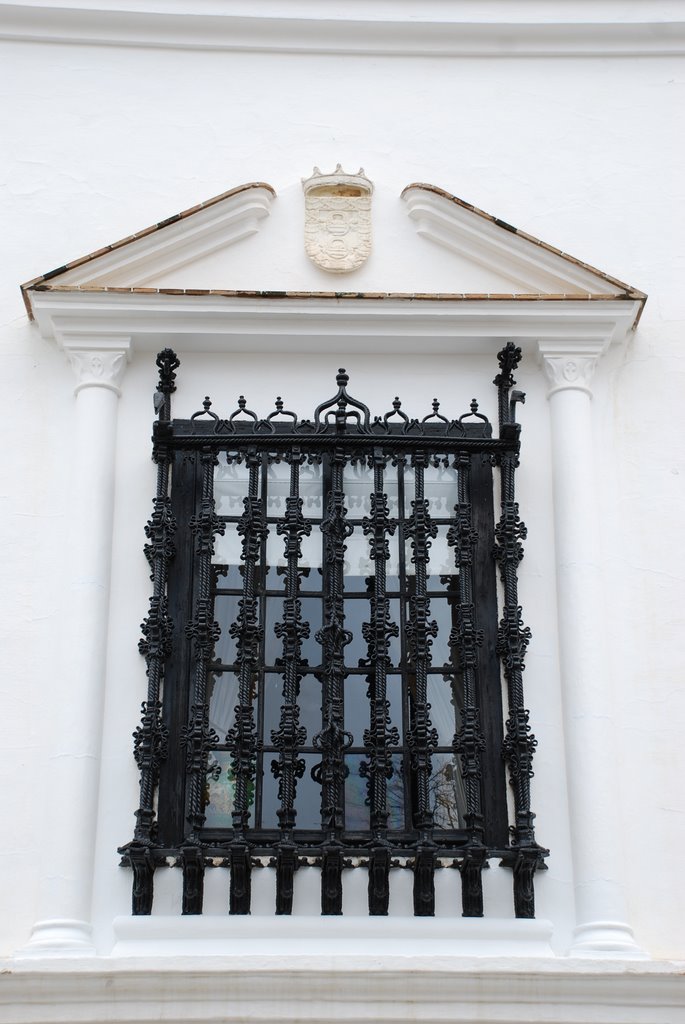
[[508, 358], [338, 407], [397, 405], [279, 404], [167, 363], [474, 406]]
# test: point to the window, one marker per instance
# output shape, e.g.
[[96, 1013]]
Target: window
[[324, 654]]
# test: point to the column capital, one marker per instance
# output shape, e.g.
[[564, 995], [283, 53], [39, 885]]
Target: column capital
[[569, 365], [98, 363]]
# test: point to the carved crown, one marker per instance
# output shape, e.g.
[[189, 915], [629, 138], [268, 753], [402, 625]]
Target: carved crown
[[338, 179]]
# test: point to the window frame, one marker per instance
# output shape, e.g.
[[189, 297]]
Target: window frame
[[173, 742]]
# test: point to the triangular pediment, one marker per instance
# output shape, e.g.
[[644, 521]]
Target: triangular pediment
[[424, 243]]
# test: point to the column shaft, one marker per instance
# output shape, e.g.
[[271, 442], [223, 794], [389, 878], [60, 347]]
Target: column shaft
[[73, 769], [601, 914]]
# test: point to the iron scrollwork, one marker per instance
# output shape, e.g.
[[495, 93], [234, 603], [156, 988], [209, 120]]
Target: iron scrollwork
[[396, 752]]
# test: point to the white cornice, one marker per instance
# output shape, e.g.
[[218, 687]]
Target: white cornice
[[394, 324], [530, 28], [285, 989]]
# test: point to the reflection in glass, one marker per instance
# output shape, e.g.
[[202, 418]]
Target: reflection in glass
[[223, 697], [357, 706], [219, 796], [446, 791], [308, 799], [357, 808], [309, 702], [230, 487], [444, 698]]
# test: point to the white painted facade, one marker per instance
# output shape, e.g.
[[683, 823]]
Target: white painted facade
[[557, 118]]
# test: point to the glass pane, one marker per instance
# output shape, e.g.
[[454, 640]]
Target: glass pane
[[307, 796], [444, 696], [311, 490], [441, 561], [228, 549], [357, 816], [446, 791], [311, 614], [310, 546], [357, 705], [444, 613], [223, 697], [219, 796], [230, 487], [226, 612], [309, 702], [440, 487], [357, 808]]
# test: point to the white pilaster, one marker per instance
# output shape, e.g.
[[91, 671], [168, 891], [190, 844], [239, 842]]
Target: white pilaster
[[71, 797], [602, 928]]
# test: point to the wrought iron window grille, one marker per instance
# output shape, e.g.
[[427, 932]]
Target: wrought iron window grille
[[324, 656]]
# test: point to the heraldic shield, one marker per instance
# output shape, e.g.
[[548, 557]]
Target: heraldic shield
[[337, 227]]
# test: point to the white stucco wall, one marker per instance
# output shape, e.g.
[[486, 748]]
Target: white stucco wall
[[582, 152]]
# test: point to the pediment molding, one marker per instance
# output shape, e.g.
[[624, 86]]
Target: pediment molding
[[534, 265], [172, 243], [110, 292]]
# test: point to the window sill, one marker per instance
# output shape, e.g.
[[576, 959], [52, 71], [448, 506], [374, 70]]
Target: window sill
[[321, 937]]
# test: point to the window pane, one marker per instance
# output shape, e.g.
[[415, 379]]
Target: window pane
[[309, 702], [307, 798], [223, 697], [444, 697], [220, 793], [230, 487], [446, 791]]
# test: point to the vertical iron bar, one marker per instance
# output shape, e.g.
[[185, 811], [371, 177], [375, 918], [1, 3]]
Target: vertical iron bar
[[242, 738], [423, 738], [513, 638], [468, 741], [150, 740], [333, 741], [198, 737], [379, 738], [290, 735]]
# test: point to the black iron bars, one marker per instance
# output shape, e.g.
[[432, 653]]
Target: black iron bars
[[151, 736], [242, 738], [379, 738], [290, 736], [197, 736], [513, 638], [422, 738], [469, 741], [332, 740]]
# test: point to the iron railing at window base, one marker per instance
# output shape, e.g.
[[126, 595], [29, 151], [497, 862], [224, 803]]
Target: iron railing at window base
[[175, 739]]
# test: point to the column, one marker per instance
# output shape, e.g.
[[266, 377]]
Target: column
[[73, 771], [602, 928]]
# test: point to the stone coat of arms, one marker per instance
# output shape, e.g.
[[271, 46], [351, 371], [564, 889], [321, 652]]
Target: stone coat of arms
[[337, 227]]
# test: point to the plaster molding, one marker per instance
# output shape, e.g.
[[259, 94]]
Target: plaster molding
[[98, 363], [190, 238], [484, 241], [570, 366], [313, 323], [533, 29], [268, 990]]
